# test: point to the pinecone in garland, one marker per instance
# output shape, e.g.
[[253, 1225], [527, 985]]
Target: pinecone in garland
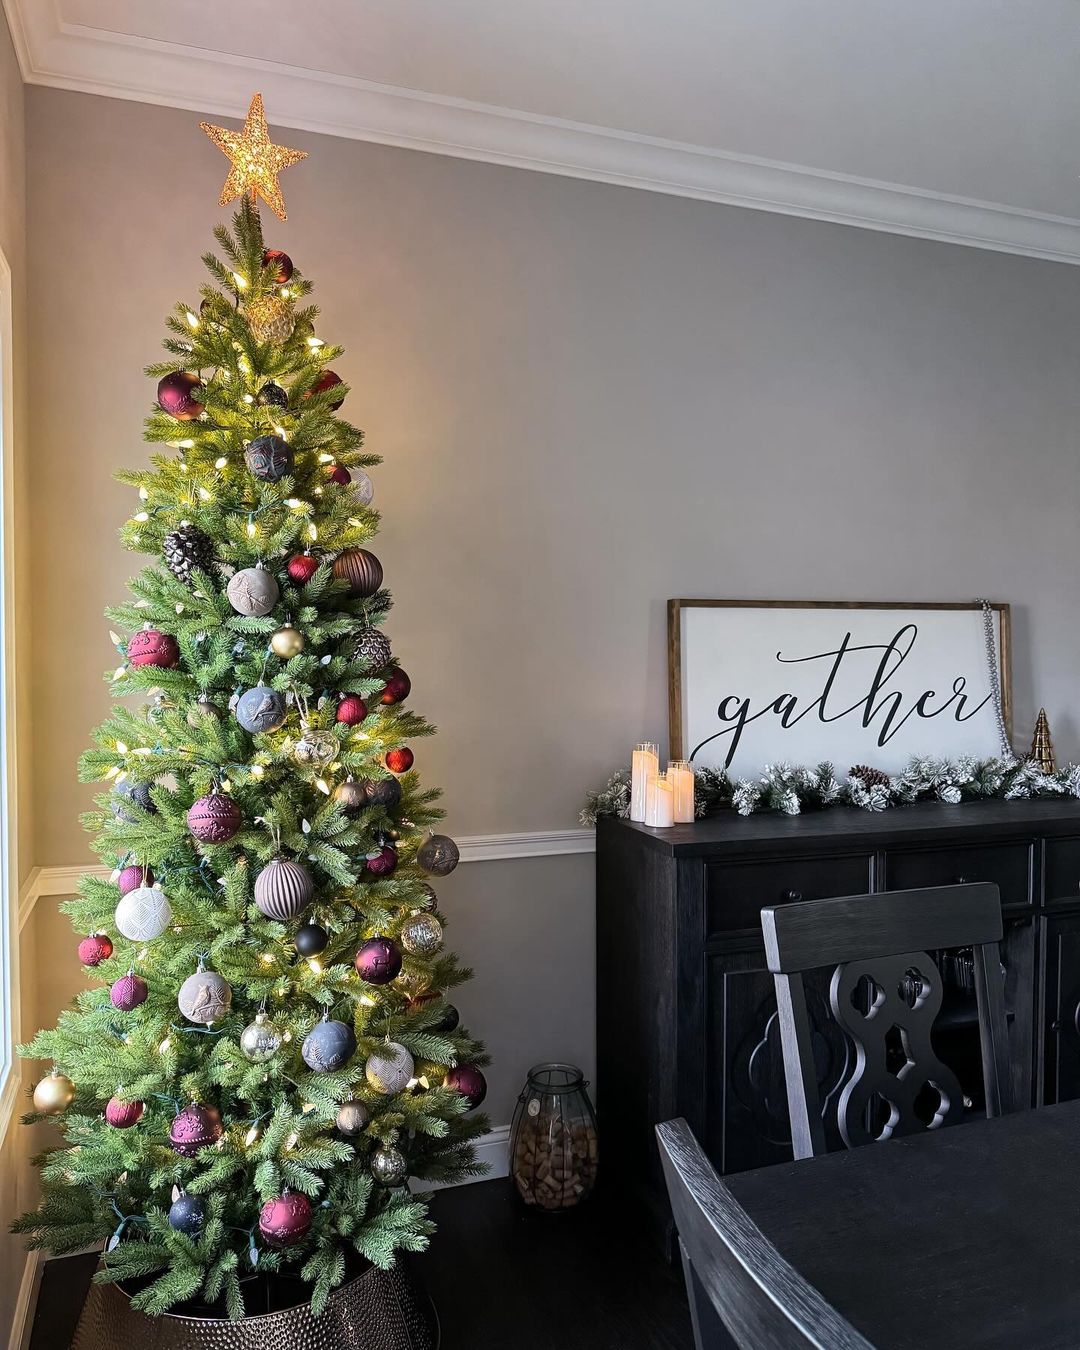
[[372, 648], [188, 550], [869, 776]]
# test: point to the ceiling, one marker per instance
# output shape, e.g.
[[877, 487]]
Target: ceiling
[[948, 119]]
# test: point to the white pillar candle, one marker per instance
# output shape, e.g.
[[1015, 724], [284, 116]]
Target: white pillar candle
[[659, 809], [645, 765], [681, 777]]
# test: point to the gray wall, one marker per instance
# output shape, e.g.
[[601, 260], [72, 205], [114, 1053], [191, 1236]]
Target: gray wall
[[590, 399]]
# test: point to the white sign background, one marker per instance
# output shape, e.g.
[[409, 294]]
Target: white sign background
[[748, 666]]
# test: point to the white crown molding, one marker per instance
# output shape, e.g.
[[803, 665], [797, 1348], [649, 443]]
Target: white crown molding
[[90, 60]]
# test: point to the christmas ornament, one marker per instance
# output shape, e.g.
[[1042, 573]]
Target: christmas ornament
[[470, 1082], [449, 1021], [1042, 747], [869, 776], [287, 642], [383, 863], [256, 161], [253, 592], [352, 1117], [438, 855], [384, 792], [270, 318], [187, 1214], [133, 876], [188, 550], [372, 649], [203, 708], [363, 487], [285, 1221], [389, 1166], [339, 474], [144, 914], [214, 819], [329, 379], [399, 760], [272, 395], [54, 1094], [260, 1040], [397, 688], [139, 793], [414, 980], [148, 647], [389, 1068], [378, 961], [422, 935], [311, 939], [361, 570], [123, 1114], [176, 395], [328, 1046], [301, 567], [128, 992], [427, 899], [350, 796], [95, 949], [351, 710], [194, 1128], [261, 709], [205, 997], [282, 264], [283, 888], [316, 749], [269, 458]]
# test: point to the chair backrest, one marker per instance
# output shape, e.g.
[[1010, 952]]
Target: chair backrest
[[740, 1288], [885, 993]]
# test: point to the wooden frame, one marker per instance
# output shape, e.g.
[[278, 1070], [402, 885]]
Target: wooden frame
[[674, 636]]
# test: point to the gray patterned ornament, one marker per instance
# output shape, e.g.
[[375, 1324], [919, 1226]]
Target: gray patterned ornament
[[253, 592], [389, 1068], [269, 458], [261, 709], [143, 914], [260, 1040], [205, 997], [352, 1117], [316, 749], [283, 888], [438, 855], [422, 935], [389, 1166], [372, 649], [328, 1046], [363, 487]]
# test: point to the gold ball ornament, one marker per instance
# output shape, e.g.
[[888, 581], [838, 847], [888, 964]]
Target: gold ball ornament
[[351, 796], [287, 642], [54, 1094], [412, 980], [270, 318]]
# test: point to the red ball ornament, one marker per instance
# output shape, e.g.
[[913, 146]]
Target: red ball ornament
[[176, 395], [399, 760], [351, 710], [128, 992], [398, 687], [283, 264], [134, 876], [339, 474], [327, 380], [194, 1128], [383, 863], [470, 1082], [361, 569], [301, 567], [95, 949], [285, 1221], [123, 1114], [214, 819], [378, 961], [148, 647]]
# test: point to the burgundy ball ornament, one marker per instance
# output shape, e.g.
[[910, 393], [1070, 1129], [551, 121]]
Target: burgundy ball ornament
[[328, 1046], [339, 474], [360, 570], [194, 1128], [285, 1221], [123, 1114], [188, 1214], [301, 567], [133, 876], [215, 819], [438, 855], [311, 939], [384, 863], [269, 458], [400, 759], [350, 796], [148, 647], [397, 688], [283, 888], [176, 395], [95, 949], [378, 961], [470, 1082], [128, 992], [351, 710], [329, 379], [282, 264]]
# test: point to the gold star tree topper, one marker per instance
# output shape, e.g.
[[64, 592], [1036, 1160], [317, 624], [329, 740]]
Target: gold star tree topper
[[256, 162]]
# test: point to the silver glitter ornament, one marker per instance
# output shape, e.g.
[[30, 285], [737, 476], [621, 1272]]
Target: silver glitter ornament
[[352, 1117], [389, 1166], [316, 749], [422, 935], [253, 592], [389, 1068], [260, 1040], [205, 997], [143, 914], [261, 709]]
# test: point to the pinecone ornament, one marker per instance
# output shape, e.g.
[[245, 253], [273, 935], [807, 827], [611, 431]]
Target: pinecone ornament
[[869, 776], [372, 648], [188, 550]]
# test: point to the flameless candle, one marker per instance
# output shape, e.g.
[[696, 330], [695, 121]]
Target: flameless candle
[[645, 765], [659, 808], [681, 777]]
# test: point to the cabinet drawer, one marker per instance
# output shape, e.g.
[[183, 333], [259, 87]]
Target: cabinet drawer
[[1062, 869], [736, 893], [1008, 865]]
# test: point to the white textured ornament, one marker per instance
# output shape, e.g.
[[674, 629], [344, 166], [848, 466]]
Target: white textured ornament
[[143, 914], [389, 1068], [205, 997], [363, 486], [253, 592]]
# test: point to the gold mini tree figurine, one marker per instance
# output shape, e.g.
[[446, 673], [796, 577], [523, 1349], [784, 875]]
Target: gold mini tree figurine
[[1042, 747]]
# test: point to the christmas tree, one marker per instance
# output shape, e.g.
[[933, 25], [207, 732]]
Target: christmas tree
[[271, 1055]]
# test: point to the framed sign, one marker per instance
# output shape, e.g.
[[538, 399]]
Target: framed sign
[[801, 681]]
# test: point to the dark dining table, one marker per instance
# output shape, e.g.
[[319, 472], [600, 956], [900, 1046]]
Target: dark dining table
[[961, 1237]]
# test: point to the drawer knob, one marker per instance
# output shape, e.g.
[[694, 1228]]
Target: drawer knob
[[793, 895], [961, 881]]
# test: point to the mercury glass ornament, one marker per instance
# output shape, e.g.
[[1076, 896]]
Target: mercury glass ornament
[[389, 1068], [261, 709], [438, 855], [253, 592], [316, 749], [143, 914], [389, 1166], [287, 642], [205, 997], [352, 1117], [270, 318], [422, 935], [260, 1040]]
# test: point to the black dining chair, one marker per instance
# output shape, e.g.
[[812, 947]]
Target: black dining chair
[[741, 1290], [885, 993]]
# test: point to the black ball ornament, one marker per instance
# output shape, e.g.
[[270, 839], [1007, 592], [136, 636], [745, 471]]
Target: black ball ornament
[[328, 1046], [269, 458], [272, 395], [384, 792], [311, 939], [187, 1214], [137, 793], [261, 709], [438, 855]]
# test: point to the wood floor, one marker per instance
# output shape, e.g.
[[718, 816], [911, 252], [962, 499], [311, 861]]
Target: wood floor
[[502, 1278]]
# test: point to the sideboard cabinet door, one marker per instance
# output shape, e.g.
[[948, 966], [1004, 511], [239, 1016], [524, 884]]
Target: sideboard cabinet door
[[1062, 1024]]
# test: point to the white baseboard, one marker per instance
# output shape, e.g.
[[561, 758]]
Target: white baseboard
[[492, 1148], [23, 1321]]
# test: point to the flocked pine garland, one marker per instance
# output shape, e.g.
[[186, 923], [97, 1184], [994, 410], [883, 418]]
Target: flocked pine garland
[[792, 789]]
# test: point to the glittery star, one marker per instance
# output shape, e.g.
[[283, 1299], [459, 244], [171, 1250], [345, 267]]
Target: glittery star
[[256, 162]]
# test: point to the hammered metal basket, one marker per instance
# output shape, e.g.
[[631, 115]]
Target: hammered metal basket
[[379, 1310]]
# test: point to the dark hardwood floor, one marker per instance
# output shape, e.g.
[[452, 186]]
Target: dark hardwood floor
[[502, 1277]]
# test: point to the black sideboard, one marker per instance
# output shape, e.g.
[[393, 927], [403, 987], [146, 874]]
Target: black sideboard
[[686, 1014]]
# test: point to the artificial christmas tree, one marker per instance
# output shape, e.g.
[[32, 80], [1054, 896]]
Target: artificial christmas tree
[[254, 1043]]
